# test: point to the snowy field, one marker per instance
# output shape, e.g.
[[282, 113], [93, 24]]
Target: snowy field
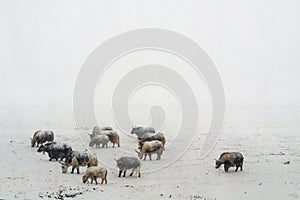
[[267, 137]]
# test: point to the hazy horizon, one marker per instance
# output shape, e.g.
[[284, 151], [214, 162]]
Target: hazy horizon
[[254, 45]]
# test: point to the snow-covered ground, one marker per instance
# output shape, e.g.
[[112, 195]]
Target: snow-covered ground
[[267, 137]]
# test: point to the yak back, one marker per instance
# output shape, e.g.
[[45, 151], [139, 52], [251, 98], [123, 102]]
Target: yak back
[[53, 146], [231, 156], [96, 131], [140, 131], [106, 128], [221, 156], [128, 162], [147, 137], [45, 135]]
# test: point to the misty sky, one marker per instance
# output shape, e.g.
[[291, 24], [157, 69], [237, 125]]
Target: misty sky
[[255, 45]]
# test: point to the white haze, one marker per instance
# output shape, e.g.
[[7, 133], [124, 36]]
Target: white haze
[[255, 46]]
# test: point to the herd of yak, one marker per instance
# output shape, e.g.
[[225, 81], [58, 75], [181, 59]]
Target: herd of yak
[[149, 142]]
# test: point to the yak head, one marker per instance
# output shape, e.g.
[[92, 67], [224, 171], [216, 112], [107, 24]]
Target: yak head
[[218, 163], [140, 154], [85, 178], [32, 142], [64, 167], [134, 129], [41, 149], [35, 138]]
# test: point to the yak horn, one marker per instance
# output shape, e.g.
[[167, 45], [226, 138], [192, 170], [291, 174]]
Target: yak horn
[[136, 151]]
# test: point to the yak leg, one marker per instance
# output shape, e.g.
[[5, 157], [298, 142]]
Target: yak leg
[[77, 170], [237, 167], [124, 174], [95, 180], [226, 167], [50, 156], [120, 172], [150, 156], [138, 171], [241, 166], [131, 173], [72, 169]]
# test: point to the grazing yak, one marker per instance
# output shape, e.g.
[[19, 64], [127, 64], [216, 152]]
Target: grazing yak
[[140, 131], [40, 137], [230, 159], [93, 173], [55, 151], [77, 159], [125, 163], [149, 148]]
